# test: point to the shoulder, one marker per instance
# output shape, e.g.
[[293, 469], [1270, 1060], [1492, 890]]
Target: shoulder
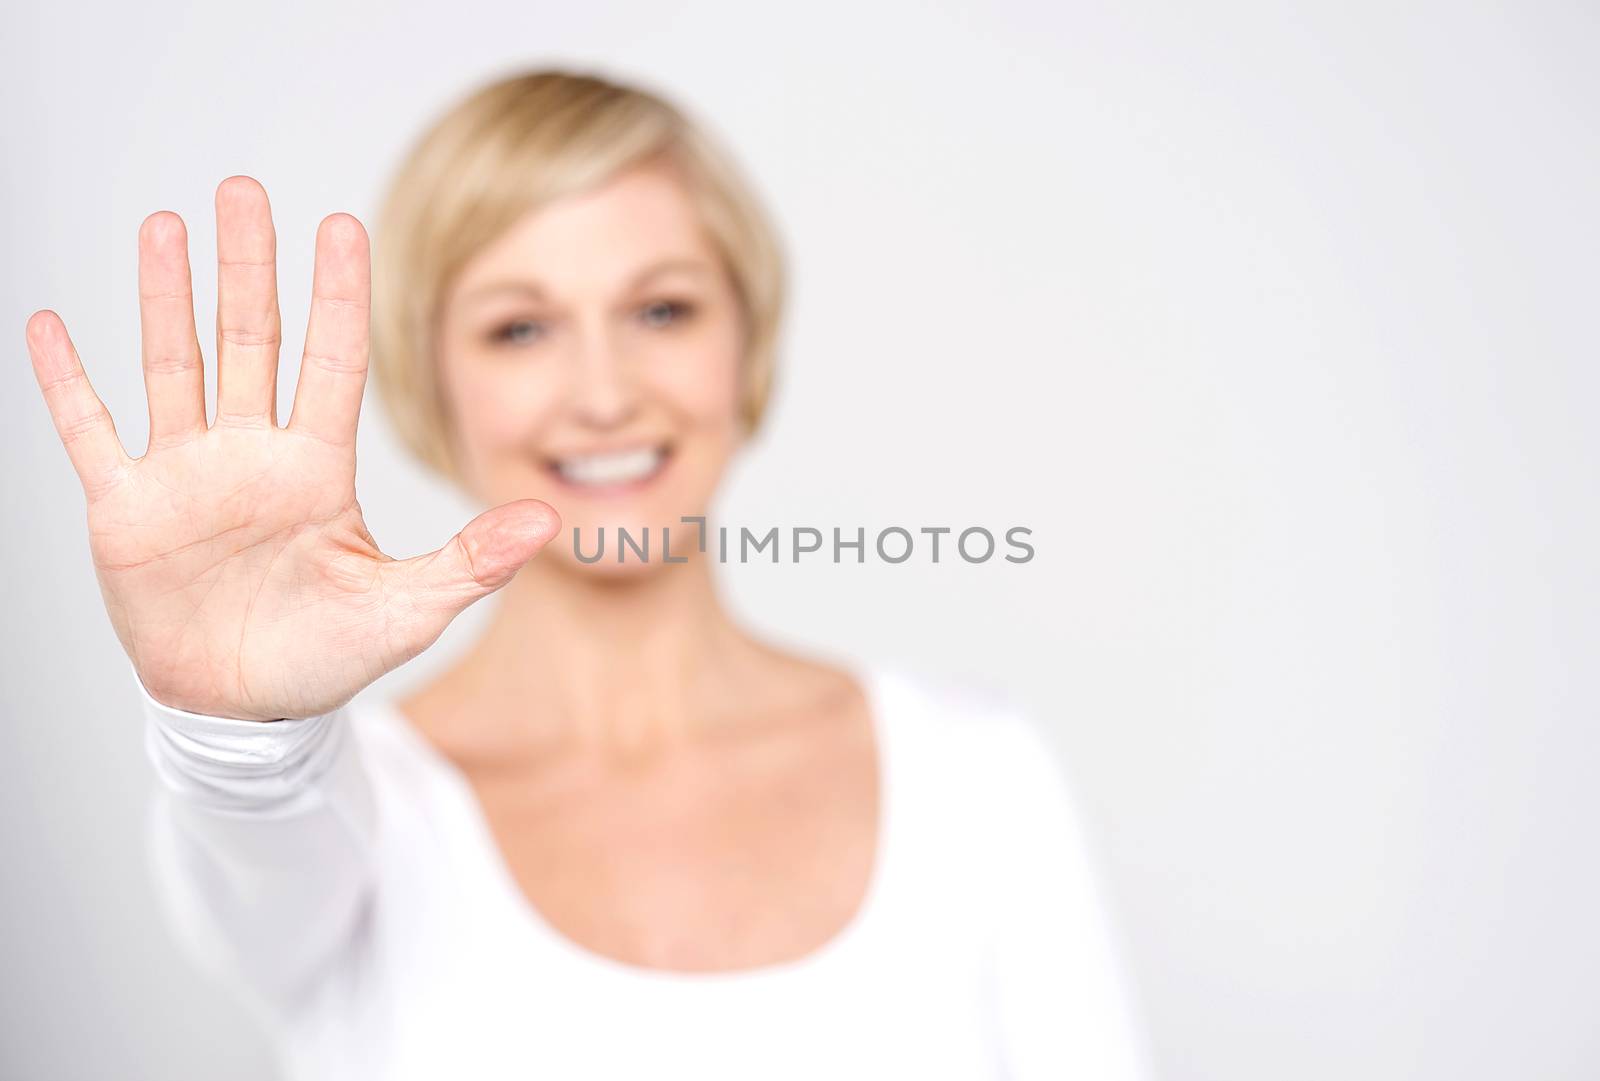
[[983, 805], [971, 728], [971, 759]]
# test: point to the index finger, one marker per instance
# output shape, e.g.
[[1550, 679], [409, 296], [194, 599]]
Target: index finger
[[333, 370]]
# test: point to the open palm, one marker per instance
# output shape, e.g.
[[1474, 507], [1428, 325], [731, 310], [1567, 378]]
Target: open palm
[[233, 558]]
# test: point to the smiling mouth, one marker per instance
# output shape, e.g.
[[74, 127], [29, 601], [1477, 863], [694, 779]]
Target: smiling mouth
[[611, 471]]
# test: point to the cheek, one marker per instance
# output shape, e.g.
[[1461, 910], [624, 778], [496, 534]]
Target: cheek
[[496, 409], [701, 379]]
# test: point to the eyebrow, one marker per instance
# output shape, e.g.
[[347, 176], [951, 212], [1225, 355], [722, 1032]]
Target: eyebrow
[[528, 288]]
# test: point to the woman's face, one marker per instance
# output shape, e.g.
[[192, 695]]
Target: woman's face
[[590, 357]]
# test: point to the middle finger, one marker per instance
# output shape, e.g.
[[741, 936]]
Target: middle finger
[[248, 327]]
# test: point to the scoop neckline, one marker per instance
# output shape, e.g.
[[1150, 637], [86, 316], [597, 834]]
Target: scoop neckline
[[873, 680]]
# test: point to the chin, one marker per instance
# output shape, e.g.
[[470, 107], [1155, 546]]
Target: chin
[[608, 569], [642, 557]]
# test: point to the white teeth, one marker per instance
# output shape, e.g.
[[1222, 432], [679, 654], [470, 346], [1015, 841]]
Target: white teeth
[[601, 469]]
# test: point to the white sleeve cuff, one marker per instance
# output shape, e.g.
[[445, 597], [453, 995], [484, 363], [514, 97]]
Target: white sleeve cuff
[[256, 768]]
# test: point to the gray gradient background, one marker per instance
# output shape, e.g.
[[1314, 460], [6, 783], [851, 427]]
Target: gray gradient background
[[1278, 328]]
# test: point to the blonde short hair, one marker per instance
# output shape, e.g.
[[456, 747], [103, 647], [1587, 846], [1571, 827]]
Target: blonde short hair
[[510, 148]]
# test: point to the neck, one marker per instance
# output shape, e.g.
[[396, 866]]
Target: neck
[[631, 663]]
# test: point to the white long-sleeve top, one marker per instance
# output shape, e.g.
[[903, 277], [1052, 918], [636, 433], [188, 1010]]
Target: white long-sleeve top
[[339, 872]]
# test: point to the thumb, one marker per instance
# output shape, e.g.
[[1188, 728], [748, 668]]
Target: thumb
[[475, 562]]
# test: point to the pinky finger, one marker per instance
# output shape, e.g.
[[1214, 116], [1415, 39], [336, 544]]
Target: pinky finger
[[80, 417]]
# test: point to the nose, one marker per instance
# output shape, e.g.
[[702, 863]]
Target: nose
[[605, 393]]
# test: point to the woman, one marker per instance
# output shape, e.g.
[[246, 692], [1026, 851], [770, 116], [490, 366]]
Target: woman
[[622, 836]]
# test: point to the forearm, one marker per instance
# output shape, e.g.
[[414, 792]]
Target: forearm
[[261, 838]]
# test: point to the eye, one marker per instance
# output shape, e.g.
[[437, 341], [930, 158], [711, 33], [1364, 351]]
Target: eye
[[518, 332], [664, 313]]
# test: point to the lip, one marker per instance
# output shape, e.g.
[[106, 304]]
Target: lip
[[611, 491]]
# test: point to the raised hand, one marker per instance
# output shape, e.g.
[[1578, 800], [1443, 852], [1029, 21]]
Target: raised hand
[[233, 558]]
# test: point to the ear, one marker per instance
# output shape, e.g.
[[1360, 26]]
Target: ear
[[754, 392], [749, 413]]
